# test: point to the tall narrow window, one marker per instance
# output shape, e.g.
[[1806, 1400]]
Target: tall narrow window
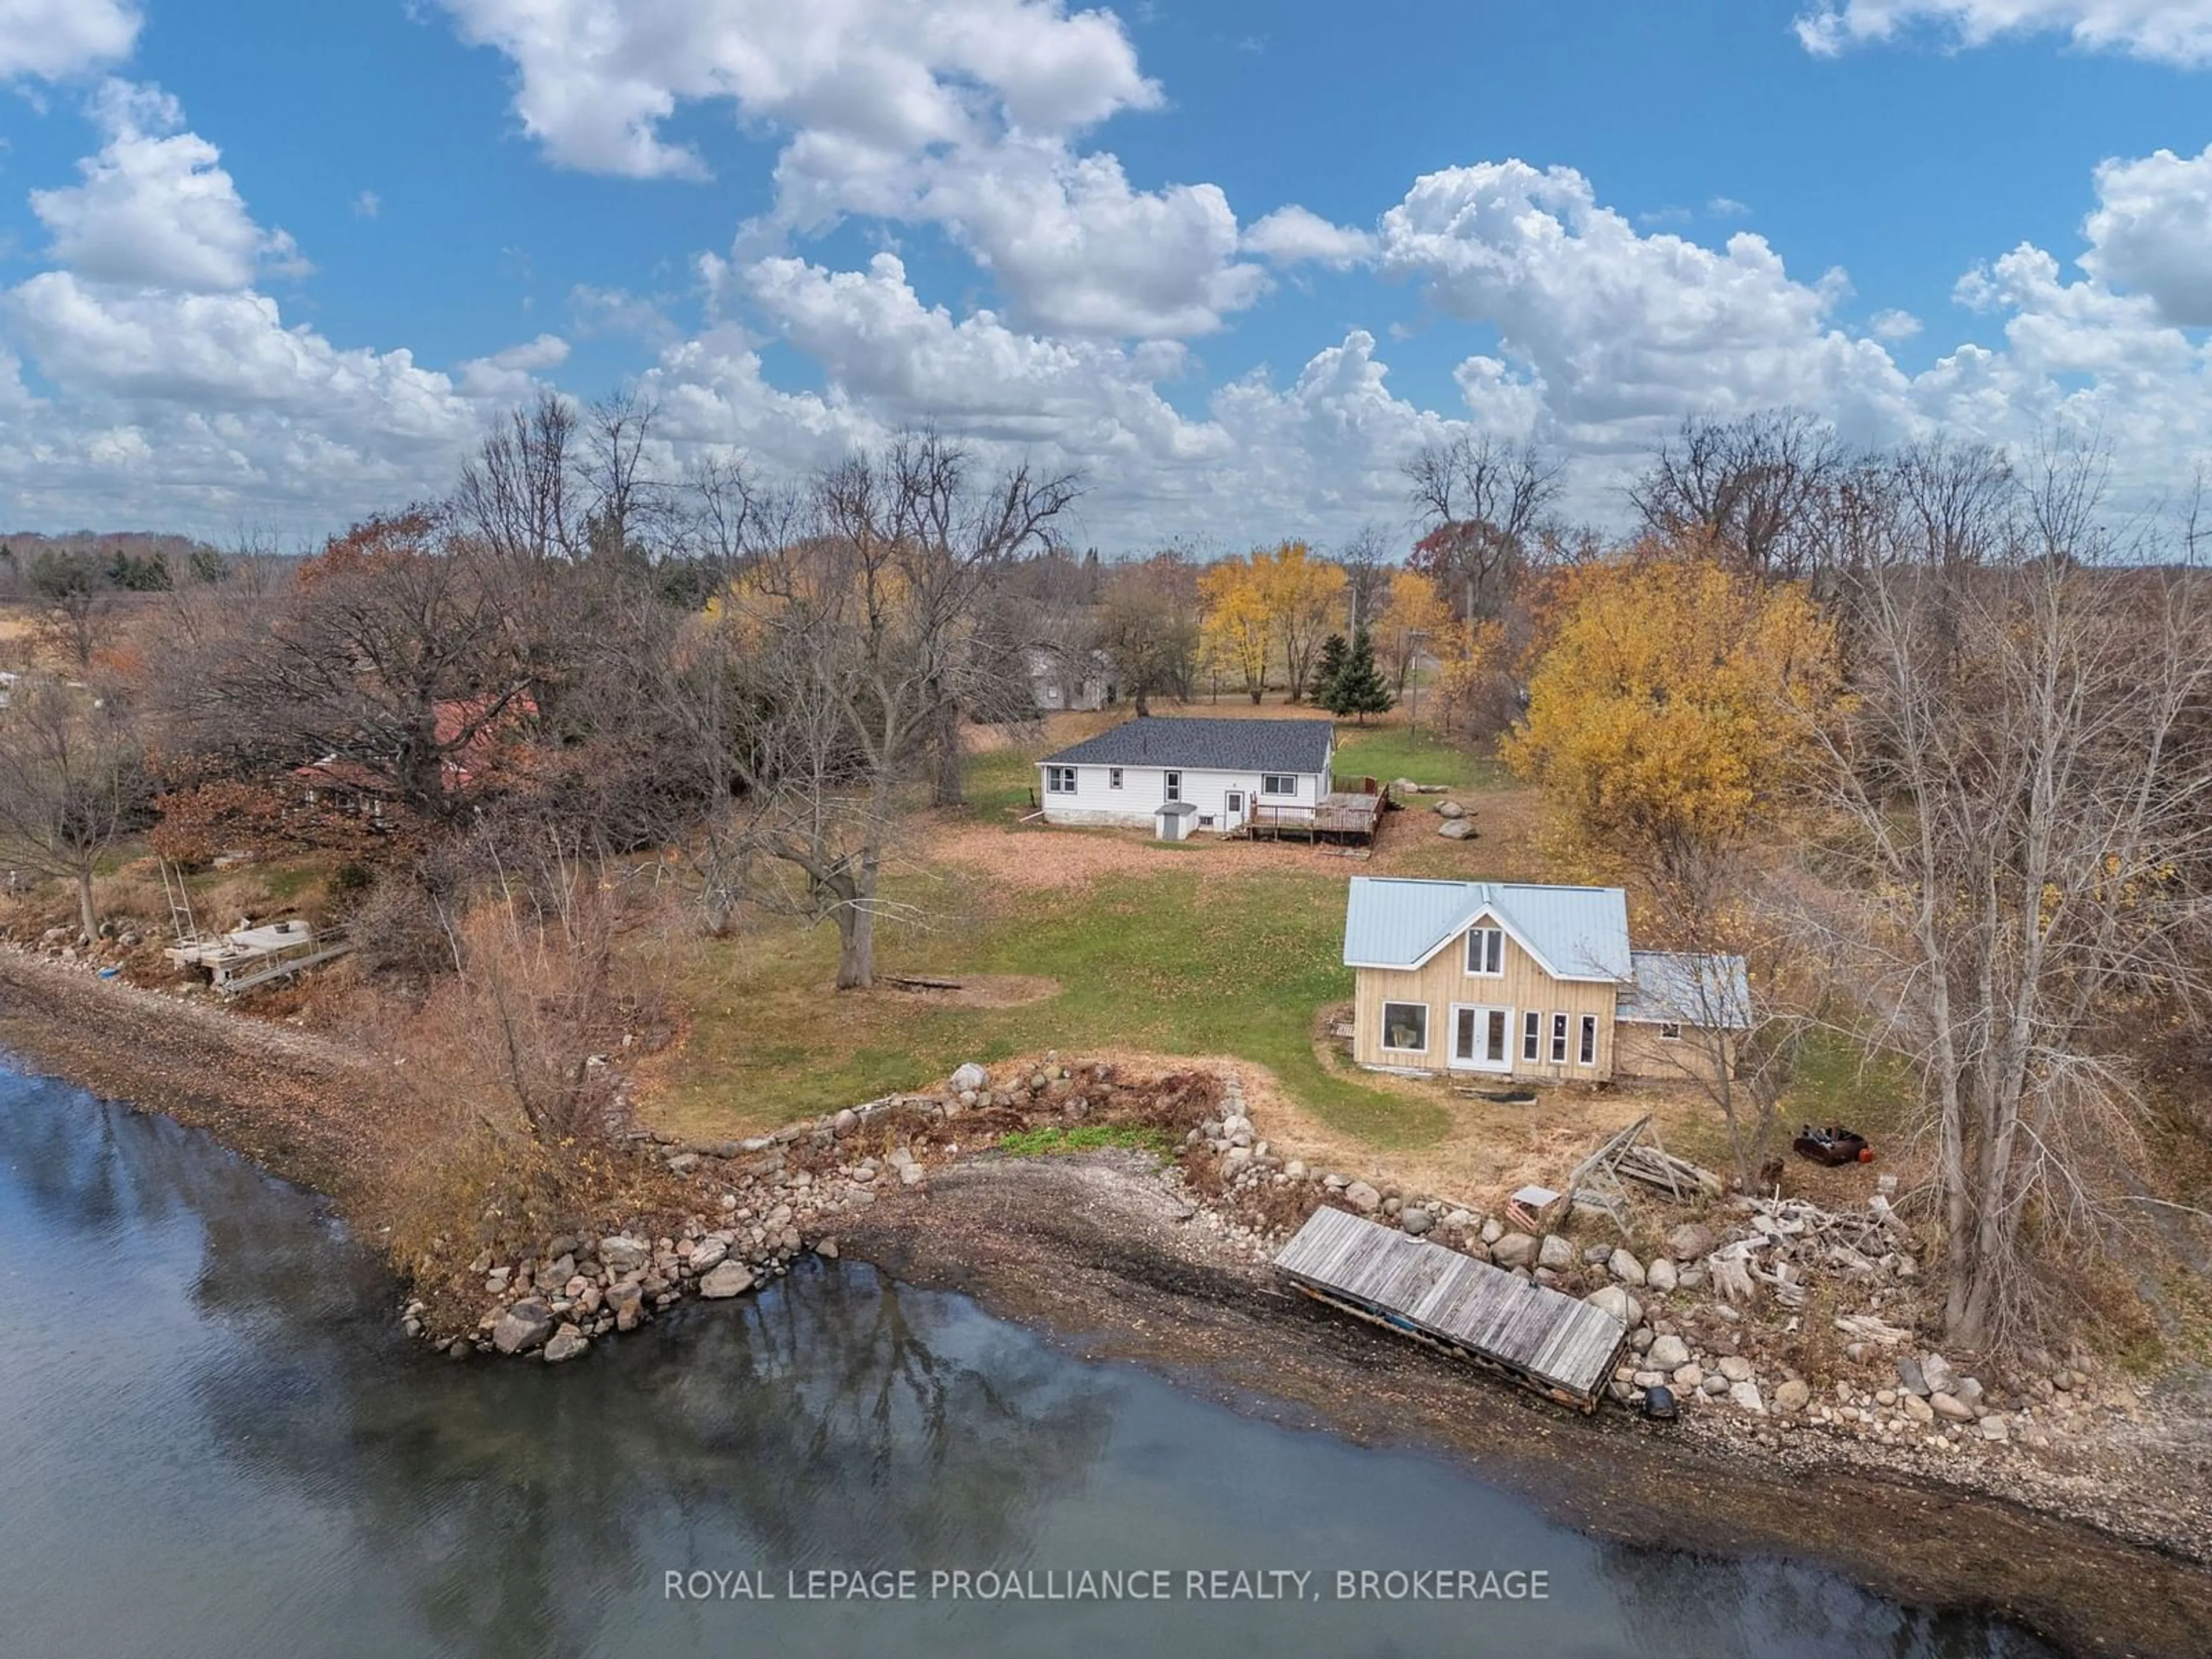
[[1532, 1036], [1113, 777], [1559, 1039], [1175, 786], [1486, 951], [1589, 1040]]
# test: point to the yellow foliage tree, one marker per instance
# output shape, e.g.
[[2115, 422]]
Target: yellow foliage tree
[[1238, 632], [1414, 616], [1304, 600], [1664, 711]]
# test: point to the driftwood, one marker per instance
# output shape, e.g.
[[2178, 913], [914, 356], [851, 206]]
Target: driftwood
[[916, 983], [1789, 1239]]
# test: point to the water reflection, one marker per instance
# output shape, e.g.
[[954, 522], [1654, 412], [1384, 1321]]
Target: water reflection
[[217, 1445]]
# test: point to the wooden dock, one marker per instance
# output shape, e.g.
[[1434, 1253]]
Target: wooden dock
[[1556, 1344]]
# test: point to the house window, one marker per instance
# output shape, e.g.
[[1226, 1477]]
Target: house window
[[1486, 951], [1669, 1031], [1175, 786], [1589, 1040], [1277, 783], [1532, 1036], [1405, 1027], [1060, 779], [1113, 777], [1559, 1039]]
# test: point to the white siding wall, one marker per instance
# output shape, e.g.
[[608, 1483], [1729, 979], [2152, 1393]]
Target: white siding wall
[[1144, 787]]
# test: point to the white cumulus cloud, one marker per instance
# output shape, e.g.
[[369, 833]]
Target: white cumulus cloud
[[2172, 31], [52, 39], [154, 207], [1292, 235], [2151, 231]]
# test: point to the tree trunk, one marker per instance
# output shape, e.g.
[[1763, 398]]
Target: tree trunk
[[1144, 703], [856, 948], [85, 912], [947, 789]]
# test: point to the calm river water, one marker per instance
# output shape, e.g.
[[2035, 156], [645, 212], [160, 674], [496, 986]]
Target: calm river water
[[215, 1443]]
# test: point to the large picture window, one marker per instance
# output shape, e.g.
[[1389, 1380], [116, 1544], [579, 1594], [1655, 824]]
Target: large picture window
[[1277, 783], [1405, 1027], [1060, 779], [1486, 951]]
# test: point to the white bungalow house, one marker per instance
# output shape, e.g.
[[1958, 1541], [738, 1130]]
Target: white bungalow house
[[1172, 775], [1530, 982]]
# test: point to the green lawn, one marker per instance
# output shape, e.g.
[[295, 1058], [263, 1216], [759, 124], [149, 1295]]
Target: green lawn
[[1184, 961], [1181, 955], [1386, 752]]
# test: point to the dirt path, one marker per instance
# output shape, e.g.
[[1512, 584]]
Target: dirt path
[[1093, 1251]]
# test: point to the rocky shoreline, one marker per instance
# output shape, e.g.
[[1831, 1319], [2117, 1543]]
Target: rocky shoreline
[[2084, 1516]]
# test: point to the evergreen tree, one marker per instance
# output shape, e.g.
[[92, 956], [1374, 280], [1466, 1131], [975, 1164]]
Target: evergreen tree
[[1326, 670], [1360, 687]]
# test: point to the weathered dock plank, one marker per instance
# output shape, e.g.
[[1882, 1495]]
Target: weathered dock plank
[[1557, 1344]]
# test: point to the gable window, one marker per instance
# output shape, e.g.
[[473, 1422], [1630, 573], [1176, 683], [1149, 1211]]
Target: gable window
[[1174, 785], [1532, 1036], [1060, 779], [1486, 951], [1277, 783], [1405, 1027], [1113, 777], [1589, 1040], [1670, 1032], [1559, 1039]]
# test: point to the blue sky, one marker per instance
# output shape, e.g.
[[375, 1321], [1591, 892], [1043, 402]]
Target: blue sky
[[269, 267]]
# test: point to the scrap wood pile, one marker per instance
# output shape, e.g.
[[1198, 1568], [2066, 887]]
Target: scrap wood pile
[[1653, 1166], [1791, 1240]]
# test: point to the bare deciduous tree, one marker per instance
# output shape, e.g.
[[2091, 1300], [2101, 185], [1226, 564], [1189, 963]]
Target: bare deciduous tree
[[1148, 624], [859, 650], [2019, 811], [1482, 500], [516, 496], [70, 785], [1751, 489]]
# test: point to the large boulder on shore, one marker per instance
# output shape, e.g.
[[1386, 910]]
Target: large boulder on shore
[[621, 1254], [1691, 1242], [522, 1327], [971, 1076], [1616, 1300], [1556, 1253], [1513, 1250], [1363, 1198], [569, 1342], [730, 1278]]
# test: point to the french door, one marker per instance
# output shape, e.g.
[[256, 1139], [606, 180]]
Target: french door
[[1480, 1036]]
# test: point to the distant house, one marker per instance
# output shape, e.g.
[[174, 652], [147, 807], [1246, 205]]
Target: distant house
[[1534, 983], [345, 785], [1213, 775], [1078, 681]]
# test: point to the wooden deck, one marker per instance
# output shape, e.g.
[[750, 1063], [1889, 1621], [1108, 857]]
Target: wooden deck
[[1557, 1344], [1354, 814]]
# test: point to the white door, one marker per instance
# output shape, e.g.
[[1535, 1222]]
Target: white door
[[1232, 809], [1482, 1036]]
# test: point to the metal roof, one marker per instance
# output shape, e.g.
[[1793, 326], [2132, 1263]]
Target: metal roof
[[1216, 745], [1574, 932], [1676, 987]]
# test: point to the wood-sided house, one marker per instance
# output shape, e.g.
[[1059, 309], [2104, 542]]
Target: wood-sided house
[[1213, 775], [1533, 983]]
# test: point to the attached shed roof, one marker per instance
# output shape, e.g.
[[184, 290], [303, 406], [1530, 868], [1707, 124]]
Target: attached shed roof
[[1574, 932], [1676, 987], [1218, 745]]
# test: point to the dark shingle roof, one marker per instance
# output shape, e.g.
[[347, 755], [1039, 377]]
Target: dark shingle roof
[[1242, 745]]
